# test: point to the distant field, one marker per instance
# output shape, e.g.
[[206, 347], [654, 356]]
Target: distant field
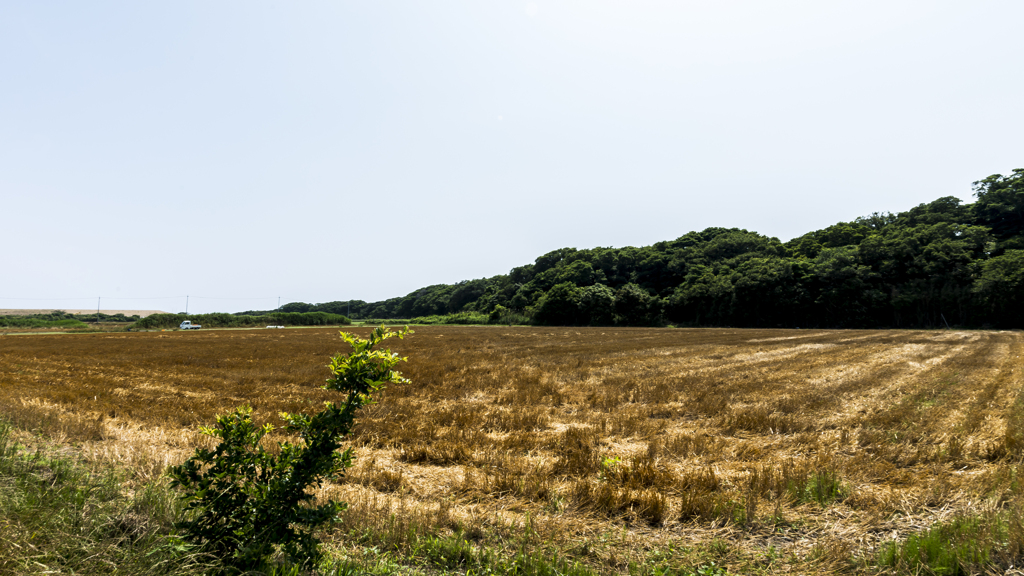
[[773, 451], [26, 312]]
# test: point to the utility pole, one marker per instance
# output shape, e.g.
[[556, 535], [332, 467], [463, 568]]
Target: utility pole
[[278, 302], [186, 304]]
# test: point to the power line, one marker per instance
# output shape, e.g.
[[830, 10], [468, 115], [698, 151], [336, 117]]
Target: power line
[[90, 298], [46, 299], [149, 298], [223, 298], [143, 298]]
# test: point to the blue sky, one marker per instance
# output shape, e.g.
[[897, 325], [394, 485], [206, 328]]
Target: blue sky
[[240, 151]]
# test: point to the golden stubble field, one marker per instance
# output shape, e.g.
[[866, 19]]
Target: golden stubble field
[[768, 450]]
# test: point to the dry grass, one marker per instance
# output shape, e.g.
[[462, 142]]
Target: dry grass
[[778, 450]]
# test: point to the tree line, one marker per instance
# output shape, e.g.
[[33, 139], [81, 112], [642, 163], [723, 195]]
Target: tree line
[[225, 320], [942, 263], [62, 319]]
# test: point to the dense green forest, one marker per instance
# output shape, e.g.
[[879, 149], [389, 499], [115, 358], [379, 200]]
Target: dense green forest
[[937, 264]]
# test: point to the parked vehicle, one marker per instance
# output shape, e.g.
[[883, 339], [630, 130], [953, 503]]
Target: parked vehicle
[[188, 325]]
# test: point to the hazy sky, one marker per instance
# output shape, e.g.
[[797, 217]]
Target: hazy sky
[[240, 151]]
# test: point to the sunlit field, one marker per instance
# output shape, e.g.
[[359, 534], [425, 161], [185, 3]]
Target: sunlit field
[[776, 451]]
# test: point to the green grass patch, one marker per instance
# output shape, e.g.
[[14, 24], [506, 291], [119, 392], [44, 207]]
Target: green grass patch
[[965, 545], [406, 545], [823, 487], [400, 546], [58, 516]]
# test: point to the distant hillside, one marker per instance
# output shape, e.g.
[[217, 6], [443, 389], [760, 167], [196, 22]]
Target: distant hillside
[[944, 263], [27, 312]]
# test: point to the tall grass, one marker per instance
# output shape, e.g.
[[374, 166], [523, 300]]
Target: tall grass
[[823, 487], [973, 544], [58, 516]]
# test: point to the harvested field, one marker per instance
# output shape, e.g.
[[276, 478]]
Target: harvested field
[[774, 451]]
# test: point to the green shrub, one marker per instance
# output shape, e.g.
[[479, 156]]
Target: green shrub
[[245, 502], [62, 319], [386, 321], [29, 322], [503, 315], [464, 318], [823, 487]]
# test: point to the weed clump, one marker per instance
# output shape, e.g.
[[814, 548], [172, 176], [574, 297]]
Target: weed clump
[[58, 516], [965, 545]]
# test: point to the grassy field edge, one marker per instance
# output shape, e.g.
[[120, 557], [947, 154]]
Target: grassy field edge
[[59, 513]]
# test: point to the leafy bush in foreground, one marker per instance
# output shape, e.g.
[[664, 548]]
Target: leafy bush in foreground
[[246, 501]]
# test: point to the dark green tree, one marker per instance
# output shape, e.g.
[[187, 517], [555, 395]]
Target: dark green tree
[[705, 297], [634, 306], [579, 273], [768, 292], [926, 271], [560, 306], [731, 244], [597, 305], [843, 289], [947, 209], [838, 235], [1000, 206], [1000, 289]]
